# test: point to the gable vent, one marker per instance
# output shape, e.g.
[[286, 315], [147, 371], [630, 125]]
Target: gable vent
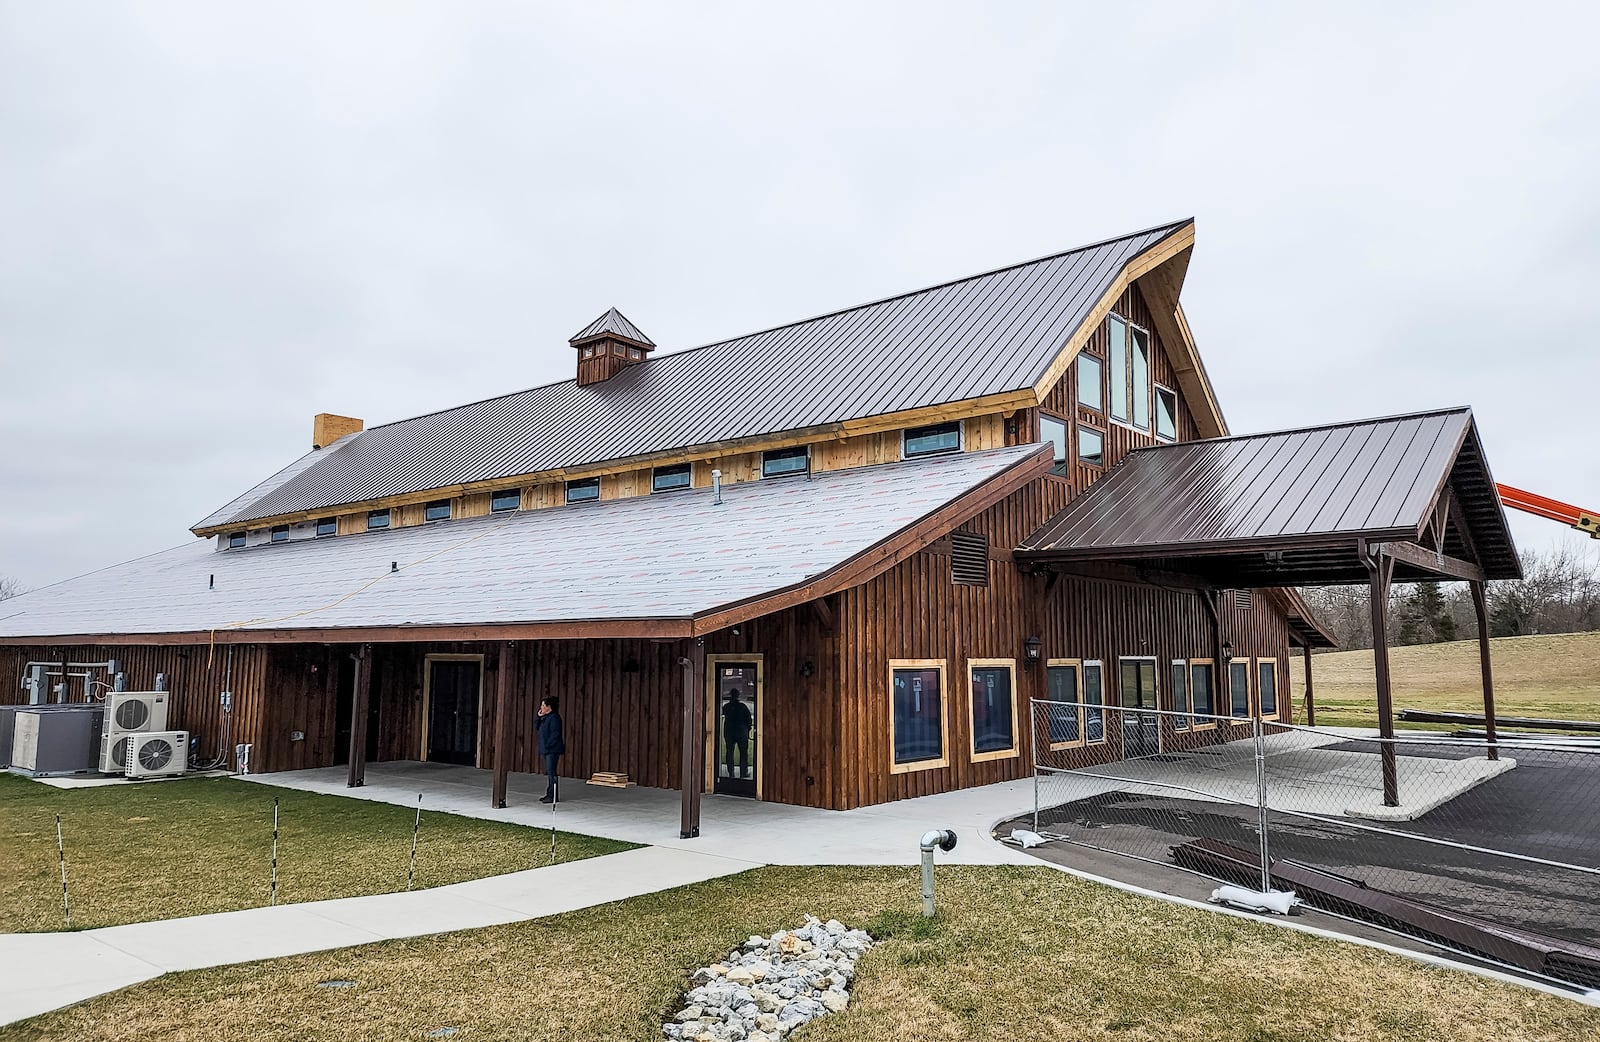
[[969, 559], [1243, 600]]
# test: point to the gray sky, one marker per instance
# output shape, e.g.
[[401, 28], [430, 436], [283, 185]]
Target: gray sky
[[217, 220]]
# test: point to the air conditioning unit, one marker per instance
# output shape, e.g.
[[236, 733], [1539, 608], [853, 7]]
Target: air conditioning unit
[[129, 713], [156, 754]]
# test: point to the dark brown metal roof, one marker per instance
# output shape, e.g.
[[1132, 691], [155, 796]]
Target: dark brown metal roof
[[1287, 508], [612, 323], [982, 335]]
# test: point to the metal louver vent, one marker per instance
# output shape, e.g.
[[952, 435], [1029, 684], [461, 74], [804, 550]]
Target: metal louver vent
[[132, 714], [969, 559], [155, 753], [1243, 600]]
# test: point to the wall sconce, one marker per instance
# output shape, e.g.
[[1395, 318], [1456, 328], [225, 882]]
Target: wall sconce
[[807, 668], [1227, 651], [1030, 652]]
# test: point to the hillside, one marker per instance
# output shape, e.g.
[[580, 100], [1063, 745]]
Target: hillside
[[1555, 675]]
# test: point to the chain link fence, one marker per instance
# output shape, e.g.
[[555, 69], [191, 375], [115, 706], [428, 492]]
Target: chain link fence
[[1493, 851]]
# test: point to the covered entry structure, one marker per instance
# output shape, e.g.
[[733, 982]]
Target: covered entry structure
[[1398, 499]]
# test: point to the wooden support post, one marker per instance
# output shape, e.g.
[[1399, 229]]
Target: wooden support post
[[1480, 605], [694, 746], [360, 699], [1311, 702], [1379, 570], [502, 725]]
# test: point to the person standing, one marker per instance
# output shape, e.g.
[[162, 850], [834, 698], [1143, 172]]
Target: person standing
[[551, 743], [736, 721]]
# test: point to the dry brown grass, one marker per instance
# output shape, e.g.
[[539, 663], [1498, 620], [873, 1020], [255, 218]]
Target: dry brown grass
[[1556, 675], [1016, 953], [158, 850]]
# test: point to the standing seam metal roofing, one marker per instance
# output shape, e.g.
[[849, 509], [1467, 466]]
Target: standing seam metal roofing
[[982, 335]]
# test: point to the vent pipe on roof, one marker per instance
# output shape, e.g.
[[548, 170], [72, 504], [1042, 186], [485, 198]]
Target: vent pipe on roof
[[716, 487]]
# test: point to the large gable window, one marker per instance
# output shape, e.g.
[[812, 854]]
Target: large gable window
[[1053, 432], [1166, 414], [1091, 395], [1128, 362], [940, 437]]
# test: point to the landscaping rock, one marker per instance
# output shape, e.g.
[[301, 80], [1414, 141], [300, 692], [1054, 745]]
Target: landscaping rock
[[769, 986]]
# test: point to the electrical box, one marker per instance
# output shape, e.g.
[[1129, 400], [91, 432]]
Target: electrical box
[[54, 740]]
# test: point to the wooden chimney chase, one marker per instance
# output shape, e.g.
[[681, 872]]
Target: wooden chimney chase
[[327, 428]]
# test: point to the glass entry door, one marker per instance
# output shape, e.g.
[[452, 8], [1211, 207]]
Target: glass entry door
[[738, 744], [1141, 731], [453, 689]]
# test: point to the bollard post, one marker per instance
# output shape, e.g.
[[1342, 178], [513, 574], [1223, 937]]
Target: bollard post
[[274, 884], [61, 852], [416, 826]]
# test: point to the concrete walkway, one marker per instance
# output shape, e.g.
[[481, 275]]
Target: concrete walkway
[[45, 971]]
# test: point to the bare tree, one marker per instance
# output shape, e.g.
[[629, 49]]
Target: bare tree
[[10, 587]]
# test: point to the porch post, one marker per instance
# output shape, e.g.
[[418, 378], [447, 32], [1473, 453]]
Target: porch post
[[502, 724], [1311, 702], [1480, 605], [1379, 570], [694, 697], [359, 701]]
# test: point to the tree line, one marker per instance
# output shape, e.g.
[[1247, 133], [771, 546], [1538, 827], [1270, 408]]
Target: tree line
[[1558, 593]]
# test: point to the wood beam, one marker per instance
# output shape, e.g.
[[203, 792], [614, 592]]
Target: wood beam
[[1161, 287], [1435, 561], [693, 661], [1311, 700], [1380, 568], [642, 629], [1480, 606], [360, 700], [824, 614], [502, 724]]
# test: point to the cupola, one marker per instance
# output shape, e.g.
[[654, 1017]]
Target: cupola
[[609, 345]]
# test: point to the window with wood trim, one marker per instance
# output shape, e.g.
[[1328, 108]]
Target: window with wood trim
[[1203, 692], [1091, 393], [327, 526], [1267, 688], [506, 499], [933, 439], [377, 519], [1239, 689], [1091, 447], [671, 479], [993, 708], [780, 463], [1166, 414], [1053, 432], [1064, 690], [1094, 700], [1178, 694], [969, 559], [280, 534], [235, 540], [1128, 369], [438, 510], [919, 738], [583, 490]]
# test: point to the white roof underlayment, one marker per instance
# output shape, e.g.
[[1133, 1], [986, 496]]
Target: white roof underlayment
[[667, 556]]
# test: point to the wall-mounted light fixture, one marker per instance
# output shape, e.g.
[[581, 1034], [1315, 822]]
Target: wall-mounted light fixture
[[1227, 651], [1030, 652], [807, 668]]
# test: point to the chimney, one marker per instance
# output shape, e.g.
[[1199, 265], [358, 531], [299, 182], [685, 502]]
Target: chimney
[[607, 346], [327, 428]]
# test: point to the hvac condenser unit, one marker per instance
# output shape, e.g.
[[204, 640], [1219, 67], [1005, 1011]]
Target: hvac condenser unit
[[55, 739], [129, 713], [156, 754]]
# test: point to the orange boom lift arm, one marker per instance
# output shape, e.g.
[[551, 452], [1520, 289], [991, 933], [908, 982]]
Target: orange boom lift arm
[[1583, 520]]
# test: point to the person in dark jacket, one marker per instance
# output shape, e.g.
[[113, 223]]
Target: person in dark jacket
[[551, 743]]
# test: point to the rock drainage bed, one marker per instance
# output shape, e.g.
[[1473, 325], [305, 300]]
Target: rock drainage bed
[[769, 986]]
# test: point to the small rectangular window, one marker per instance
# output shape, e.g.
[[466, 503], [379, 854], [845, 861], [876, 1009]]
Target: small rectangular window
[[1139, 379], [916, 691], [994, 709], [940, 437], [327, 526], [280, 533], [1091, 447], [1064, 696], [1053, 431], [583, 490], [377, 519], [235, 540], [588, 351], [1166, 413], [635, 354], [506, 499], [1180, 694], [969, 559], [1267, 688], [783, 462], [1094, 696], [670, 479], [1239, 689], [1202, 682], [1117, 368], [438, 510], [1090, 392]]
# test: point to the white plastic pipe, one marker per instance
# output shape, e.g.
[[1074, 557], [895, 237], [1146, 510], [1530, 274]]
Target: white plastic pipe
[[945, 840]]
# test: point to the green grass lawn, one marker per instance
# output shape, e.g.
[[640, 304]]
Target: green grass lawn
[[1016, 953], [138, 852], [1555, 675]]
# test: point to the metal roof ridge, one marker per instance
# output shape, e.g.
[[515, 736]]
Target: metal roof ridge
[[1445, 411]]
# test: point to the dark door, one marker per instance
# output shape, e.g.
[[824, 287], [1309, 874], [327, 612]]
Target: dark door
[[738, 743], [453, 711], [344, 710], [1141, 726]]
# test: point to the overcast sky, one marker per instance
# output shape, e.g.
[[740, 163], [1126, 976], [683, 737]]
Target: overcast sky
[[217, 220]]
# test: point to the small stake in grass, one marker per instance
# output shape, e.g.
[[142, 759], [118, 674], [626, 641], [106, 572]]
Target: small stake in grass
[[416, 826], [274, 850], [61, 851]]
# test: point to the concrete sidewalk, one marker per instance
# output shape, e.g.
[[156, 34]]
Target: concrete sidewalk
[[45, 971]]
